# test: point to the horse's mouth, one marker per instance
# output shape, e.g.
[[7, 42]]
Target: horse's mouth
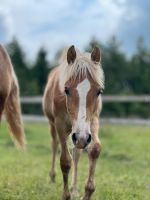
[[81, 144]]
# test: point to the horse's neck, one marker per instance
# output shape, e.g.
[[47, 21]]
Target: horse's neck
[[57, 98]]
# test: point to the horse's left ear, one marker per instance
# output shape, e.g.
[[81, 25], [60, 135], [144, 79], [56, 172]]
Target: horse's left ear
[[71, 54], [96, 54]]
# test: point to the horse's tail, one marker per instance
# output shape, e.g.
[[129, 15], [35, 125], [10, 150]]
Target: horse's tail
[[2, 103], [13, 116], [9, 98]]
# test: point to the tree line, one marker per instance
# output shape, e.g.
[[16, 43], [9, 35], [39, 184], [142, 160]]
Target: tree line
[[124, 74]]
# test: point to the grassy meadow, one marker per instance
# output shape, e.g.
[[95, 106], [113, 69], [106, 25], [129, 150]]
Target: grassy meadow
[[123, 171]]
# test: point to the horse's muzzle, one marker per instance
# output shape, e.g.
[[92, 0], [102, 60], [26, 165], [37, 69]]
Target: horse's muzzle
[[81, 142]]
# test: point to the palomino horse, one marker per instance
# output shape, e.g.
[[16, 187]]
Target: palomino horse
[[72, 103], [9, 98]]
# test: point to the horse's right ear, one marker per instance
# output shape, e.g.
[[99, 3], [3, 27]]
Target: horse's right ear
[[96, 55], [71, 55]]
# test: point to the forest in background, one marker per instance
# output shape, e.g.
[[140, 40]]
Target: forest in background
[[124, 75]]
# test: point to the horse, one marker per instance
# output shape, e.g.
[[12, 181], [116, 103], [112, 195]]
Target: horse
[[9, 99], [72, 103]]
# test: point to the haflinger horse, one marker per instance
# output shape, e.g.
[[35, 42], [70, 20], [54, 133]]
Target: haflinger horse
[[9, 99], [72, 102]]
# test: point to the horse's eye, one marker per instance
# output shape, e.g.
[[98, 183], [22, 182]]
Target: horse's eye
[[100, 91], [67, 92]]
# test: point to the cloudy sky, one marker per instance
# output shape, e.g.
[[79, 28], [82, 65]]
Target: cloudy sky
[[57, 23]]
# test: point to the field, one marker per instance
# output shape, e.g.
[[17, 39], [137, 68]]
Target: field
[[123, 172]]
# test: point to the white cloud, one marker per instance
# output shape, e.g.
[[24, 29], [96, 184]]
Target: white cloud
[[55, 23], [6, 25]]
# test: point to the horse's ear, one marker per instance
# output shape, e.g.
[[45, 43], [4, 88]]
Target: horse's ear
[[96, 55], [71, 54]]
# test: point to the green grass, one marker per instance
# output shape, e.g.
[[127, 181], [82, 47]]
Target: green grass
[[123, 171]]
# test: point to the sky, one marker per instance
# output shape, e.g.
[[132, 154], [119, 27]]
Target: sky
[[58, 23]]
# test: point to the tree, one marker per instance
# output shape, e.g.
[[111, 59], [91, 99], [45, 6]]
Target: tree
[[40, 70], [19, 63], [116, 68], [140, 68]]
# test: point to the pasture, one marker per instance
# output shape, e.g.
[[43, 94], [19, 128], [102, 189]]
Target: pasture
[[123, 171]]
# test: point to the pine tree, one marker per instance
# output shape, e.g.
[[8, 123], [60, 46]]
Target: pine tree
[[140, 68], [40, 70], [116, 68], [19, 63]]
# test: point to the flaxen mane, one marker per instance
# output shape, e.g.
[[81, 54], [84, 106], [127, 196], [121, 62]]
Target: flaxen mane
[[81, 66]]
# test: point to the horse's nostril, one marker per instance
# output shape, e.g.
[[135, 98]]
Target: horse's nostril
[[88, 138], [74, 138]]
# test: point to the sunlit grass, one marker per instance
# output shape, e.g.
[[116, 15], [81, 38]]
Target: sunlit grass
[[123, 171]]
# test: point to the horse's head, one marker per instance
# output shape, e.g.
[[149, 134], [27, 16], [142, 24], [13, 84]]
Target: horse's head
[[82, 84]]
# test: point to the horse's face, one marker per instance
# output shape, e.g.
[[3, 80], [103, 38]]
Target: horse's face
[[82, 101]]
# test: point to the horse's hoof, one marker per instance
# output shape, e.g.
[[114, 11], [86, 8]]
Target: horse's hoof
[[52, 177], [66, 196], [74, 192], [84, 198]]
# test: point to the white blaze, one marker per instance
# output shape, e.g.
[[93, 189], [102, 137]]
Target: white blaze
[[81, 124]]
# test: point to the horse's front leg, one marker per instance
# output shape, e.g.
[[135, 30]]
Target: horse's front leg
[[75, 157], [65, 160], [93, 153], [65, 164], [54, 151]]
